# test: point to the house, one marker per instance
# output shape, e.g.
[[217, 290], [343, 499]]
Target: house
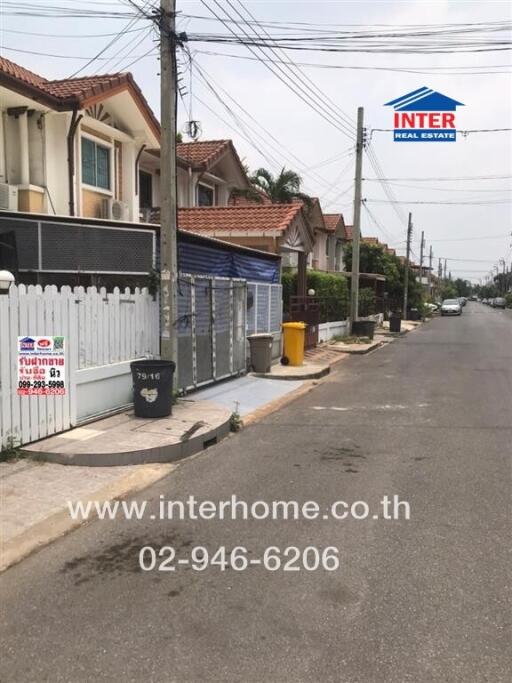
[[90, 147], [73, 147], [207, 173], [282, 229], [337, 235], [319, 256]]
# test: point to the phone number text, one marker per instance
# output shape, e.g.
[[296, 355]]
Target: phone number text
[[289, 559]]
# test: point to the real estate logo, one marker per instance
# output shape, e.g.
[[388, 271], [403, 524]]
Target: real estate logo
[[26, 344], [424, 115]]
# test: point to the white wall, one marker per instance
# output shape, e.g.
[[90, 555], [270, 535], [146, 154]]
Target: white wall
[[319, 251], [56, 161], [327, 331]]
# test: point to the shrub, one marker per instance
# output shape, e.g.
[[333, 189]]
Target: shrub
[[330, 289]]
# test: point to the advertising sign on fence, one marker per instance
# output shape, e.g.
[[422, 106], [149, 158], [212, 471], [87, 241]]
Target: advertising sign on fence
[[41, 364]]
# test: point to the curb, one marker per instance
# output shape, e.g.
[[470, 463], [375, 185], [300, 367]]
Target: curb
[[161, 454], [60, 523], [316, 374], [358, 352]]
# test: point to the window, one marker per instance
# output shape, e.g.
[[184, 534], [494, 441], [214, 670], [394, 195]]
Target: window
[[95, 164], [145, 190], [205, 195]]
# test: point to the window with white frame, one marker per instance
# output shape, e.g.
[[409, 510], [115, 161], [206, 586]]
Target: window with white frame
[[95, 164]]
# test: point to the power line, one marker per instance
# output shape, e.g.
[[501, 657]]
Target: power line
[[68, 35], [454, 178], [112, 42], [214, 87], [296, 70], [464, 133], [438, 71], [440, 189], [386, 234], [443, 202], [303, 95]]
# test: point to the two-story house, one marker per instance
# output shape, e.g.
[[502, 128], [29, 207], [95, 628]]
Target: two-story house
[[73, 147]]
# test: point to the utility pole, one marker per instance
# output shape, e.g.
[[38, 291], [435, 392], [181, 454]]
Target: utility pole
[[356, 230], [430, 258], [445, 268], [407, 260], [168, 205], [440, 269], [422, 246]]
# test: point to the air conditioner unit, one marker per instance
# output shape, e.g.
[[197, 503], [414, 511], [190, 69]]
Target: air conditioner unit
[[8, 197], [115, 210]]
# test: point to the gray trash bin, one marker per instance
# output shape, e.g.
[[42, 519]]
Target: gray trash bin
[[261, 352]]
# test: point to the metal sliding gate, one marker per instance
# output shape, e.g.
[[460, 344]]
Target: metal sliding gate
[[211, 329]]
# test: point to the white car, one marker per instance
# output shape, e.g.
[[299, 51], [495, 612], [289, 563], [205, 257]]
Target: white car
[[451, 307]]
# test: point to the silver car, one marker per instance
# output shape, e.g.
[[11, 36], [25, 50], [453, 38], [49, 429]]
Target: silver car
[[451, 307]]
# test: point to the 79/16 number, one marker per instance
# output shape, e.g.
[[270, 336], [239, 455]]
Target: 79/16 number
[[290, 559]]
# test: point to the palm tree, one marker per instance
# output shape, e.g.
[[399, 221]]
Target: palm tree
[[281, 189]]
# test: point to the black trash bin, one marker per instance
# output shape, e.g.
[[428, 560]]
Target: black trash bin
[[395, 322], [363, 328], [152, 387]]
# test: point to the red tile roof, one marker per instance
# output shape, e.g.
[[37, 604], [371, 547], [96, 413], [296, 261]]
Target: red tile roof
[[70, 93], [202, 153], [333, 221], [348, 231], [370, 240], [255, 217], [239, 199], [19, 72]]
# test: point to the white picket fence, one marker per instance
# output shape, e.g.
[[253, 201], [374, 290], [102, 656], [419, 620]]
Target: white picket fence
[[102, 331]]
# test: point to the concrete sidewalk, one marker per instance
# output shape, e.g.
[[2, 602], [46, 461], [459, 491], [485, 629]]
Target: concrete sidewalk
[[34, 497], [124, 439]]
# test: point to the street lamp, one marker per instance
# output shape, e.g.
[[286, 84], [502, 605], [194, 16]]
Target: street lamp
[[6, 280]]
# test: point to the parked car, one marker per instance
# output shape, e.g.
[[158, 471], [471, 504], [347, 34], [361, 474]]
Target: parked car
[[499, 302], [451, 307], [484, 301], [462, 300], [491, 302]]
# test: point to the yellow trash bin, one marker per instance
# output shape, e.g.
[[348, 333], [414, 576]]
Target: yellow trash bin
[[293, 353]]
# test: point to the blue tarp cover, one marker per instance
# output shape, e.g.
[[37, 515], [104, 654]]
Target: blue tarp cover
[[213, 260]]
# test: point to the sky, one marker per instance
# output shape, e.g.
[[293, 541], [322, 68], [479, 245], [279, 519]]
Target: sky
[[279, 129]]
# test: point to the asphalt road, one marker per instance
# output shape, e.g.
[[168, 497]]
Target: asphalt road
[[424, 600]]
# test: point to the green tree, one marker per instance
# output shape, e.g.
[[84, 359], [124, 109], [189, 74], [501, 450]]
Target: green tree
[[462, 287], [374, 258], [448, 290], [281, 189]]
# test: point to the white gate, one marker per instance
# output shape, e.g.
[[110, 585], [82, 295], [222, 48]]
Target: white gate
[[103, 333], [265, 311]]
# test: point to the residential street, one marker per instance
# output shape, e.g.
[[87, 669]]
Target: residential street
[[428, 418]]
